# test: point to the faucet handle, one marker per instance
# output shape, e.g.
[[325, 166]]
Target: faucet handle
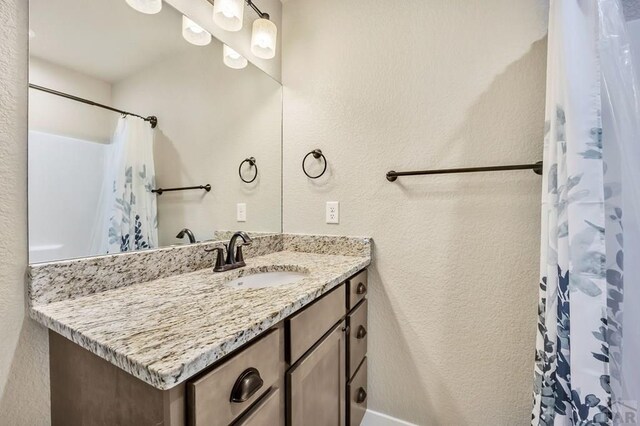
[[239, 255], [219, 266]]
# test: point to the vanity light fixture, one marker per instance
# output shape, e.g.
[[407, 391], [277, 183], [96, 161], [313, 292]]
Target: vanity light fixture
[[263, 37], [228, 14], [146, 6], [194, 33], [233, 59]]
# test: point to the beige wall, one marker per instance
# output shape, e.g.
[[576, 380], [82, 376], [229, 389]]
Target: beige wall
[[454, 282], [24, 368], [59, 116], [381, 85], [210, 118]]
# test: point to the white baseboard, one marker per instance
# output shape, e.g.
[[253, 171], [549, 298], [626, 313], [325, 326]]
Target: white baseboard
[[373, 418]]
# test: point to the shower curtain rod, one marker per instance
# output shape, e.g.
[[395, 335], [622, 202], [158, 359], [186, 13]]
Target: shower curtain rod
[[537, 169], [151, 119]]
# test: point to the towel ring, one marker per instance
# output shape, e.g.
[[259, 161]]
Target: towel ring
[[317, 154], [252, 163]]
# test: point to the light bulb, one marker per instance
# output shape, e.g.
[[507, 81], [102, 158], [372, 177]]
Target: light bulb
[[264, 38], [146, 6], [194, 33], [233, 59], [228, 14]]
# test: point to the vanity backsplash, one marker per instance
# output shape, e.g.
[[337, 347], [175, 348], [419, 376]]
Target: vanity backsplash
[[70, 279]]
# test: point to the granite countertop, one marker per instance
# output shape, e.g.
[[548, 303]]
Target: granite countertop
[[166, 330]]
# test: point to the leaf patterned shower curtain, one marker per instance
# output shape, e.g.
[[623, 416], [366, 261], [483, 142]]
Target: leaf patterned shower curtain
[[585, 369], [132, 210]]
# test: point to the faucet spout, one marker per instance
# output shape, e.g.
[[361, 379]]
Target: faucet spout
[[231, 251], [188, 233]]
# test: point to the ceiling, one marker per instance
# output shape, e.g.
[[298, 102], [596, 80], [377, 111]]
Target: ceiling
[[105, 39]]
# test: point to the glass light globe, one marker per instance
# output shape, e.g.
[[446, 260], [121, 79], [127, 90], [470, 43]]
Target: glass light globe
[[233, 59], [264, 38], [228, 14], [194, 33], [146, 6]]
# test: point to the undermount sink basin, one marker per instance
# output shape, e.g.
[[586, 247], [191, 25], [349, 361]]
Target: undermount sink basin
[[266, 279]]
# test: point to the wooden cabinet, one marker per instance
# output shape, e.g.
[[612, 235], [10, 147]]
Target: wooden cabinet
[[221, 395], [307, 327], [357, 395], [308, 370], [357, 345], [316, 383], [269, 411], [357, 288], [357, 321]]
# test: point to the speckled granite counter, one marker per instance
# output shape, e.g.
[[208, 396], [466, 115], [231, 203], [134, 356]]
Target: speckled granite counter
[[166, 330]]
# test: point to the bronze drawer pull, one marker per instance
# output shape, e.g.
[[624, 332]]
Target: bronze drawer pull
[[362, 396], [362, 289], [247, 385], [362, 332]]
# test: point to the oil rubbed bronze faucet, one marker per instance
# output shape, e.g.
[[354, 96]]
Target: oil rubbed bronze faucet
[[187, 232], [234, 258]]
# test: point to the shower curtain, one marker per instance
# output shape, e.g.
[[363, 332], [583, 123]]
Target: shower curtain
[[587, 349], [131, 206]]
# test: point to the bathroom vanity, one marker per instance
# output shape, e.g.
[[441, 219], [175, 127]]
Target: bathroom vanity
[[173, 138], [192, 349]]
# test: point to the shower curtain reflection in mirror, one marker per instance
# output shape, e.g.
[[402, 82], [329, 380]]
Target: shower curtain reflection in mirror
[[128, 203]]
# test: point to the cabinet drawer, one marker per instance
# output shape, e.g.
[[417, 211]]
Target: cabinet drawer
[[269, 411], [357, 287], [221, 395], [357, 343], [357, 395], [308, 326]]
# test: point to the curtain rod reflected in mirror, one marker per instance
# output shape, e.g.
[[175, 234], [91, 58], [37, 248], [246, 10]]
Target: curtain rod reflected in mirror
[[151, 119]]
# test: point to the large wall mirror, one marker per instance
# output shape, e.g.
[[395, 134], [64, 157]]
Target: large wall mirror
[[94, 173]]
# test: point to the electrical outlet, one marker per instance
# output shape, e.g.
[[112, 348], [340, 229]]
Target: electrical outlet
[[333, 212], [241, 212]]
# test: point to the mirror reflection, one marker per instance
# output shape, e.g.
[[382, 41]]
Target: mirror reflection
[[140, 139]]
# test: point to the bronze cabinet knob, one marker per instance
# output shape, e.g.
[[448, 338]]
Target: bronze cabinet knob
[[361, 396], [362, 332]]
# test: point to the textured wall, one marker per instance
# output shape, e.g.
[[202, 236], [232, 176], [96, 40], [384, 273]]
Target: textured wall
[[382, 85], [24, 369], [224, 116]]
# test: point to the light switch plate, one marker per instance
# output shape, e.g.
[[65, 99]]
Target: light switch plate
[[333, 212], [241, 212]]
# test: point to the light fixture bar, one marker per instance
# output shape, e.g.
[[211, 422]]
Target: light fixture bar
[[253, 6], [258, 11]]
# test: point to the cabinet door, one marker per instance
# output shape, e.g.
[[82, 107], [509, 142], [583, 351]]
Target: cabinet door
[[316, 384]]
